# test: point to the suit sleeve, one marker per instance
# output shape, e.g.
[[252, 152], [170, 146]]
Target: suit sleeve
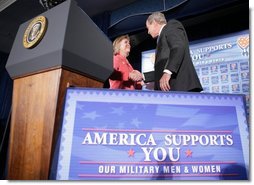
[[149, 76], [176, 40]]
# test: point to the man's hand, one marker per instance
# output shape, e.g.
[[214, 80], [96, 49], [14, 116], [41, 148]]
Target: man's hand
[[164, 82]]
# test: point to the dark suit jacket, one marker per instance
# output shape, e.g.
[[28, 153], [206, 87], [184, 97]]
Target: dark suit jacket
[[172, 53]]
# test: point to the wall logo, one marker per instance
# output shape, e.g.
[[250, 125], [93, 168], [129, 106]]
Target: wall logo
[[35, 32], [243, 43]]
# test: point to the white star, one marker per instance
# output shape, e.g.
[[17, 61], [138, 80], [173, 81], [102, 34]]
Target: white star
[[119, 111], [136, 122], [80, 106], [91, 115]]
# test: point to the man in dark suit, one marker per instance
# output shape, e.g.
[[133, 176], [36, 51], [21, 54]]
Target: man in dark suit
[[173, 66]]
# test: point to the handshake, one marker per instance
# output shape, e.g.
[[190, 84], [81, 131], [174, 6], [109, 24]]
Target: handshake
[[136, 76]]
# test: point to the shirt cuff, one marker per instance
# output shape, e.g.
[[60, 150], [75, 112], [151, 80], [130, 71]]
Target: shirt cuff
[[167, 71], [143, 76]]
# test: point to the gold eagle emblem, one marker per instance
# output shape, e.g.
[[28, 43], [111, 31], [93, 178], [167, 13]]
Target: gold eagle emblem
[[35, 32]]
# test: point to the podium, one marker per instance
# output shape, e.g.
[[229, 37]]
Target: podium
[[72, 52]]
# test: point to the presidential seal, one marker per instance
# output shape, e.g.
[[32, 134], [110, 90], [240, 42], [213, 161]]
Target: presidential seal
[[35, 32]]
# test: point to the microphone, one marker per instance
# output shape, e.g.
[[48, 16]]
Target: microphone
[[47, 4]]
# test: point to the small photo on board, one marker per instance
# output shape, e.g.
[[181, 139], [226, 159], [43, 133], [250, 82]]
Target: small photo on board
[[244, 66], [205, 80], [245, 76], [234, 77], [215, 89], [215, 79], [235, 88], [245, 87], [223, 68], [214, 69], [225, 89], [233, 67], [205, 71], [224, 78]]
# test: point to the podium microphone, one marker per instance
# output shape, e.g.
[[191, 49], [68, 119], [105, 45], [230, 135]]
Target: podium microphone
[[47, 4]]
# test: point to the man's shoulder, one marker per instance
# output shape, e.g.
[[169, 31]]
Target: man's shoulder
[[174, 24]]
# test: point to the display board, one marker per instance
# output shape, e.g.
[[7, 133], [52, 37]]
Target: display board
[[150, 135], [222, 64]]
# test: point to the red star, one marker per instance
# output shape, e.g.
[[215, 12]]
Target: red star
[[188, 153], [131, 153]]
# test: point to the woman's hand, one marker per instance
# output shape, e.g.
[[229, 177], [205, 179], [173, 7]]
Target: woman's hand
[[135, 75]]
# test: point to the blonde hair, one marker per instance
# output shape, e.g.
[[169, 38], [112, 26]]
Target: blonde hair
[[157, 17], [116, 43]]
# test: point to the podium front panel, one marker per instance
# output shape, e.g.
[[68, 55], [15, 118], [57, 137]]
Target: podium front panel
[[135, 135]]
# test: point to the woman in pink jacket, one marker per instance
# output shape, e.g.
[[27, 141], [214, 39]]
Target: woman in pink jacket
[[124, 76]]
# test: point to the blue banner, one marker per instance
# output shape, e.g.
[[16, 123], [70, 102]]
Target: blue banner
[[135, 135]]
